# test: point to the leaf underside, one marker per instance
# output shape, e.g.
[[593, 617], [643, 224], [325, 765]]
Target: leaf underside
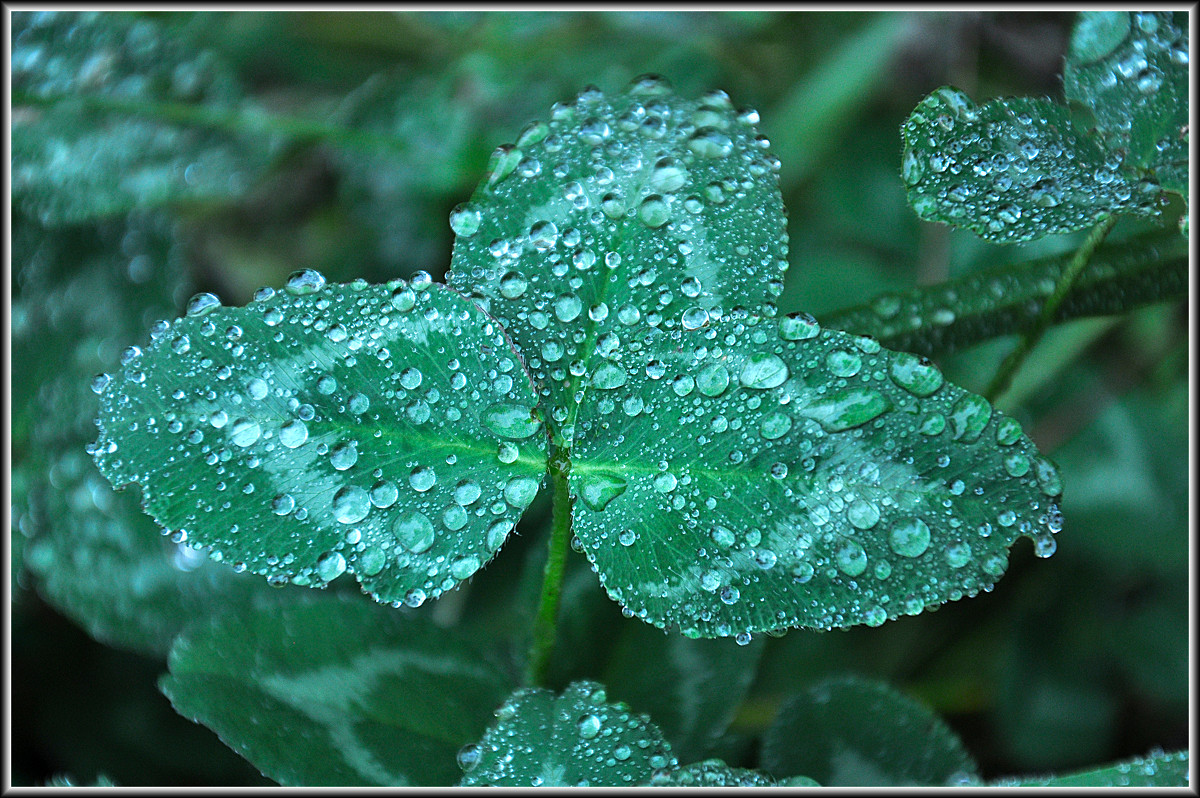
[[385, 431]]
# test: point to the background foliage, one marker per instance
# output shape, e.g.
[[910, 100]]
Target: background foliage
[[222, 151]]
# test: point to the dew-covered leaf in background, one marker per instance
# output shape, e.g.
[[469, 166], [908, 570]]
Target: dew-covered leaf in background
[[104, 113], [335, 692], [624, 211], [94, 555], [944, 318], [1012, 169], [1158, 769], [715, 773], [760, 474], [693, 689], [385, 431], [576, 739], [1131, 70], [854, 732]]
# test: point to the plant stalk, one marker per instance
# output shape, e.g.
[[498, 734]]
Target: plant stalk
[[546, 621], [1004, 375]]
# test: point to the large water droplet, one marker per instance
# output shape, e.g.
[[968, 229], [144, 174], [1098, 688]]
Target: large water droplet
[[909, 537], [608, 375], [598, 489], [761, 371], [511, 421], [414, 531], [351, 504], [914, 374], [843, 410]]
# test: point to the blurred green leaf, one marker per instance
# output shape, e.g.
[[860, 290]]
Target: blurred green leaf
[[103, 105], [575, 739], [328, 692], [1159, 769], [807, 478], [691, 688], [85, 292], [853, 732], [1013, 169], [638, 209], [1131, 70], [944, 318], [359, 429]]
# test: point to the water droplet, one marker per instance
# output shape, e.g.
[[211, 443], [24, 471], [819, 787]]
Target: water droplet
[[293, 434], [520, 491], [665, 482], [862, 514], [543, 235], [463, 567], [464, 220], [414, 531], [608, 375], [422, 478], [244, 432], [384, 494], [969, 416], [909, 537], [513, 285], [694, 318], [598, 489], [344, 455], [1008, 431], [589, 726], [567, 307], [304, 281], [762, 371], [410, 378], [654, 211], [798, 327], [404, 298], [283, 504], [842, 363], [468, 757], [958, 554], [511, 421], [843, 410], [775, 425], [330, 566], [850, 558], [917, 375], [351, 504], [202, 304], [1047, 476], [467, 492]]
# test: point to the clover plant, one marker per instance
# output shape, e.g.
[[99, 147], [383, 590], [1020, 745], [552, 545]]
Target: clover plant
[[608, 336]]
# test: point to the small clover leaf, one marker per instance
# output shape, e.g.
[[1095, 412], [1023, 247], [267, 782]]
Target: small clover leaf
[[381, 430], [1012, 169], [576, 739]]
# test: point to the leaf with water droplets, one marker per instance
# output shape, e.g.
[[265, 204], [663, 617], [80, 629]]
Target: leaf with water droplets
[[944, 318], [715, 773], [112, 111], [622, 210], [854, 732], [576, 739], [1131, 70], [1013, 169], [1158, 769], [386, 431], [773, 474], [346, 684]]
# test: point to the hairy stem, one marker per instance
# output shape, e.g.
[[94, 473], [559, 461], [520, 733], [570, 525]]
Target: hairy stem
[[1004, 375], [546, 621]]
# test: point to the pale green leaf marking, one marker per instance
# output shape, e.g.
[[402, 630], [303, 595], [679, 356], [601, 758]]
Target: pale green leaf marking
[[385, 431], [859, 487]]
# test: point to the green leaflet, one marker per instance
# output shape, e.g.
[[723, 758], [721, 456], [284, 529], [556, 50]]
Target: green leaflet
[[1013, 169], [853, 732], [1159, 769], [385, 431], [101, 103], [760, 474], [575, 739], [330, 692], [637, 209], [1131, 70], [953, 315]]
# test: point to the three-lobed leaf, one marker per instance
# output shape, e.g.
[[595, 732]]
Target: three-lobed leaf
[[621, 212], [387, 431], [575, 739], [333, 692], [760, 474]]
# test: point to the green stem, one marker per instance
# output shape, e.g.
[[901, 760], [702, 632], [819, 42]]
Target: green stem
[[546, 621], [1003, 379], [242, 121]]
